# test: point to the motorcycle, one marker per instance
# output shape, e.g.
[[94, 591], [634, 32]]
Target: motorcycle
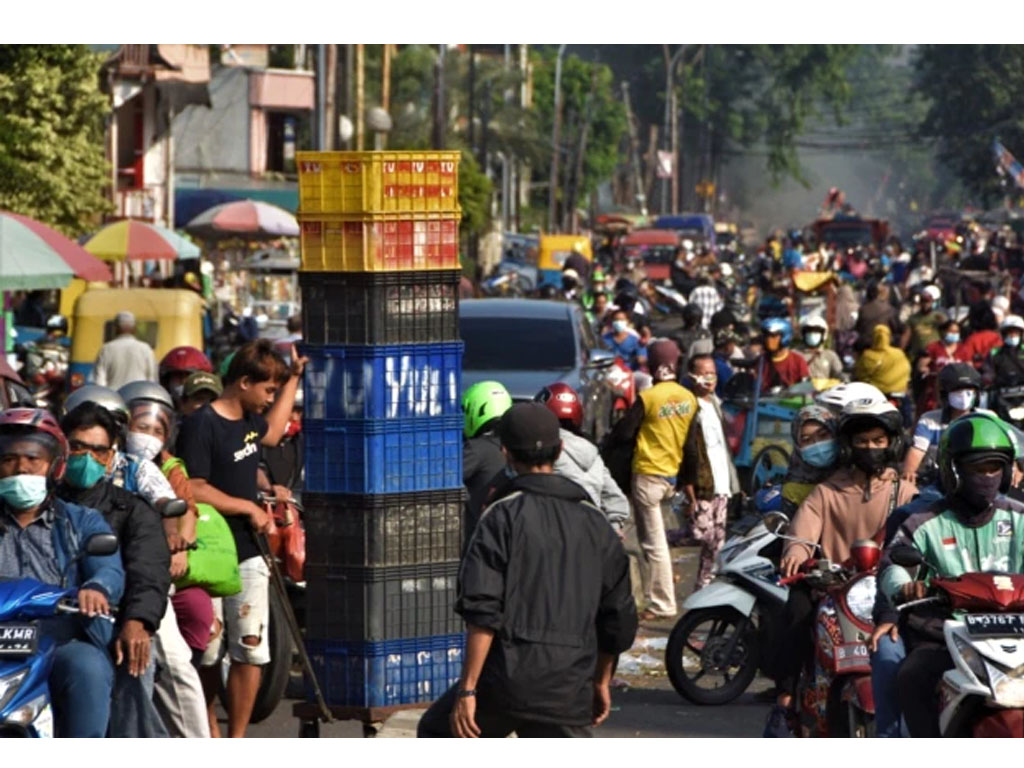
[[834, 690], [26, 655], [983, 695], [1008, 402], [45, 371], [727, 624]]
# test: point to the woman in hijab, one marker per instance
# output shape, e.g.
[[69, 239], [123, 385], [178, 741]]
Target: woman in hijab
[[815, 453]]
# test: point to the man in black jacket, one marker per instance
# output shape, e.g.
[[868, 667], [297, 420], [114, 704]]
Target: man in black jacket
[[92, 433], [544, 589]]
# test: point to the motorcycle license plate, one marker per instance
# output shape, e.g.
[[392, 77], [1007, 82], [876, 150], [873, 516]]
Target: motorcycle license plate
[[1003, 624], [18, 639]]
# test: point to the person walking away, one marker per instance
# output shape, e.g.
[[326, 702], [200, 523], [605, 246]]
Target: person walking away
[[959, 390], [780, 366], [877, 311], [709, 477], [42, 537], [579, 459], [220, 445], [625, 342], [973, 527], [815, 437], [852, 504], [707, 297], [544, 591], [983, 337], [693, 331], [92, 434], [125, 358], [483, 405], [923, 326], [886, 367], [937, 355], [822, 363]]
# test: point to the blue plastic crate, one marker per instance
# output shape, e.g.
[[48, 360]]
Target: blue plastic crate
[[383, 382], [393, 456], [412, 671]]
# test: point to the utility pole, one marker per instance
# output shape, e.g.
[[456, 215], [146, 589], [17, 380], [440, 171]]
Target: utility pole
[[472, 101], [321, 98], [360, 113], [331, 102], [670, 126], [555, 141], [577, 183], [439, 111], [385, 87], [634, 154], [350, 87]]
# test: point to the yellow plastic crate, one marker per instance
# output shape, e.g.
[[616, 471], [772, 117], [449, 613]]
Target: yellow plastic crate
[[378, 182], [388, 242]]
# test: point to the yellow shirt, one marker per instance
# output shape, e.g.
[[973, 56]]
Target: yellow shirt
[[668, 410]]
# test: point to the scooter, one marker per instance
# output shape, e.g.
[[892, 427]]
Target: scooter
[[1009, 404], [726, 625], [26, 655], [983, 695], [834, 690]]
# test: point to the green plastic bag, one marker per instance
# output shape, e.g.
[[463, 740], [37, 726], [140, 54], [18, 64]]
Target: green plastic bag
[[213, 564]]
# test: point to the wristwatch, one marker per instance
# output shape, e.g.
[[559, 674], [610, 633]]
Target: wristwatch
[[467, 693]]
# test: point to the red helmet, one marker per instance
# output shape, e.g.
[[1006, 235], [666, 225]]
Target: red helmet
[[185, 360], [562, 400], [27, 420]]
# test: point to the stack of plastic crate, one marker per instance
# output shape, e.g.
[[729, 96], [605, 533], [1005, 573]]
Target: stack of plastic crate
[[383, 423]]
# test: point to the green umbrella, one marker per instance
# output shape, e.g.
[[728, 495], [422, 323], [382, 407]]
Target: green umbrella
[[27, 262]]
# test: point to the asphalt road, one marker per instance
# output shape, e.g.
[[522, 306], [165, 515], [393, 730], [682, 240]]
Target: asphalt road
[[648, 707]]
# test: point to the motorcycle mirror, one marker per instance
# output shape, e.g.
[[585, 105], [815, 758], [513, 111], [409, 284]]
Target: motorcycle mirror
[[906, 556], [601, 358], [101, 545], [776, 523], [171, 508]]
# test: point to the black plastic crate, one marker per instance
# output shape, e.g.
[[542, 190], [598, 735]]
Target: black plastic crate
[[387, 530], [380, 307], [381, 603]]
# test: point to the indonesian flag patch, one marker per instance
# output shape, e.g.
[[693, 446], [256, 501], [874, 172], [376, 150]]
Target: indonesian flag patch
[[949, 544]]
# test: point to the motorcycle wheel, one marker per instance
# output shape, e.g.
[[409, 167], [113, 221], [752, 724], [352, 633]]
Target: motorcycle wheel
[[769, 466], [847, 721], [693, 653]]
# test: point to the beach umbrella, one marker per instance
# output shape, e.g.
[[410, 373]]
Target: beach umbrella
[[25, 240], [131, 240]]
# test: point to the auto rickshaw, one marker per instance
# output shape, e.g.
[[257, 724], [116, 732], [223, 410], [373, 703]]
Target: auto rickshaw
[[554, 250], [165, 318]]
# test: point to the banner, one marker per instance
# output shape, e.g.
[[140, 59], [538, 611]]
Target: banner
[[663, 170], [1007, 163]]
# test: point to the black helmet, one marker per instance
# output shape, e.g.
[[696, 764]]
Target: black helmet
[[956, 376], [57, 323], [625, 285], [692, 314]]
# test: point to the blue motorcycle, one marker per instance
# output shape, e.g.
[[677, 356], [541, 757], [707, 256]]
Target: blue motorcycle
[[26, 656]]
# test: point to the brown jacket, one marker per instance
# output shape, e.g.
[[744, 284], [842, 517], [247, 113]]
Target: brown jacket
[[835, 513]]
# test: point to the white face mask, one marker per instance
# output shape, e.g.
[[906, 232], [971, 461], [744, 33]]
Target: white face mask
[[143, 446], [813, 339], [961, 400]]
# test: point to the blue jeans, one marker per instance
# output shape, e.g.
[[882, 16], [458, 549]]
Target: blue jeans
[[885, 665], [133, 714], [81, 681]]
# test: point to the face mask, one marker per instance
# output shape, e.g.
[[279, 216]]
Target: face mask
[[143, 446], [961, 400], [620, 326], [821, 454], [979, 491], [813, 339], [869, 460], [952, 338], [84, 471], [23, 491], [708, 382], [1013, 341]]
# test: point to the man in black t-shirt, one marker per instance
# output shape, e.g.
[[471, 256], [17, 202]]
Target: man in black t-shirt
[[220, 445]]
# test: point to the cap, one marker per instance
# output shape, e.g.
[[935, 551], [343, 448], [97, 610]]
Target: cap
[[201, 380], [529, 427], [124, 317]]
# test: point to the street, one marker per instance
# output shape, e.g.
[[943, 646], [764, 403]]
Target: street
[[648, 707]]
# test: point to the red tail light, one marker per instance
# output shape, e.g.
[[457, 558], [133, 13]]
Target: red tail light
[[866, 554]]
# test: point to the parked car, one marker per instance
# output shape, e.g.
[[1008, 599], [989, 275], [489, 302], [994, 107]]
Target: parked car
[[527, 344]]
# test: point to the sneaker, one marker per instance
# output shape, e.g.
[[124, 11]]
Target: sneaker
[[777, 726]]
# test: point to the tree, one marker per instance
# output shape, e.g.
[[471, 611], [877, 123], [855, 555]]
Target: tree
[[977, 95], [52, 164]]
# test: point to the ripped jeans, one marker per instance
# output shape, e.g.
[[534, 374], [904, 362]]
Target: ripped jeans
[[246, 614]]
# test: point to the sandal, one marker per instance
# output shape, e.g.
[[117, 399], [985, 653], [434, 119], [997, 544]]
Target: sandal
[[647, 615]]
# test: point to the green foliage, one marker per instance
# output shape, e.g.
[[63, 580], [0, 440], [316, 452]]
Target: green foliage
[[52, 164], [474, 196], [977, 95]]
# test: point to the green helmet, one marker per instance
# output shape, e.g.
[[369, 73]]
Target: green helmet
[[482, 403], [979, 436]]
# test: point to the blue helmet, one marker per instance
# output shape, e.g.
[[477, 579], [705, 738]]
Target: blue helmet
[[779, 325]]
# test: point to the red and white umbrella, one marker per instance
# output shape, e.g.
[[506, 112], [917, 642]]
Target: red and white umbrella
[[245, 219]]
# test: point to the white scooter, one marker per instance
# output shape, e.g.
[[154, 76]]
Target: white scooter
[[724, 627], [983, 695]]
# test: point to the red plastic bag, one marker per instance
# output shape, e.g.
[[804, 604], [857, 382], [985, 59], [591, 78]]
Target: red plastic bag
[[287, 539]]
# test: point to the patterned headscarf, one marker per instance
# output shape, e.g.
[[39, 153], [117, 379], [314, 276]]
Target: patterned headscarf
[[799, 470]]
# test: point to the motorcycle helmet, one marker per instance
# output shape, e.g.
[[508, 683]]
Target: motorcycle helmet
[[38, 425], [562, 400], [483, 403], [933, 292], [1012, 322], [954, 376], [144, 397], [976, 437], [860, 415], [778, 325], [103, 396], [692, 314], [837, 397], [625, 286], [57, 324], [184, 360]]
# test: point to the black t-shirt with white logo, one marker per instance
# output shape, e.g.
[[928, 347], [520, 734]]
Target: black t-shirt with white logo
[[226, 454]]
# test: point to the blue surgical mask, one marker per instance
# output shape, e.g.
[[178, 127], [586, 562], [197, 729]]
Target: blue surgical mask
[[821, 454], [1013, 341], [813, 339], [24, 491], [952, 338], [620, 326]]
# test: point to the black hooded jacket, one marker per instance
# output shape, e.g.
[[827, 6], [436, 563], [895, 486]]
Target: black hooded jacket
[[144, 552], [546, 572]]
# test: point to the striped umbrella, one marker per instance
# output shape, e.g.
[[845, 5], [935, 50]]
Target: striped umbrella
[[246, 219], [22, 240], [131, 240]]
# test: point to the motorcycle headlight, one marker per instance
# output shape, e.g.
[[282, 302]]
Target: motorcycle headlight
[[972, 659], [860, 598], [26, 714], [9, 685]]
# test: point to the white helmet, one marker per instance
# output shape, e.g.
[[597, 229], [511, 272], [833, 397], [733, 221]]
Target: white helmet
[[687, 245], [839, 396], [814, 321], [1015, 322], [726, 270], [933, 291]]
